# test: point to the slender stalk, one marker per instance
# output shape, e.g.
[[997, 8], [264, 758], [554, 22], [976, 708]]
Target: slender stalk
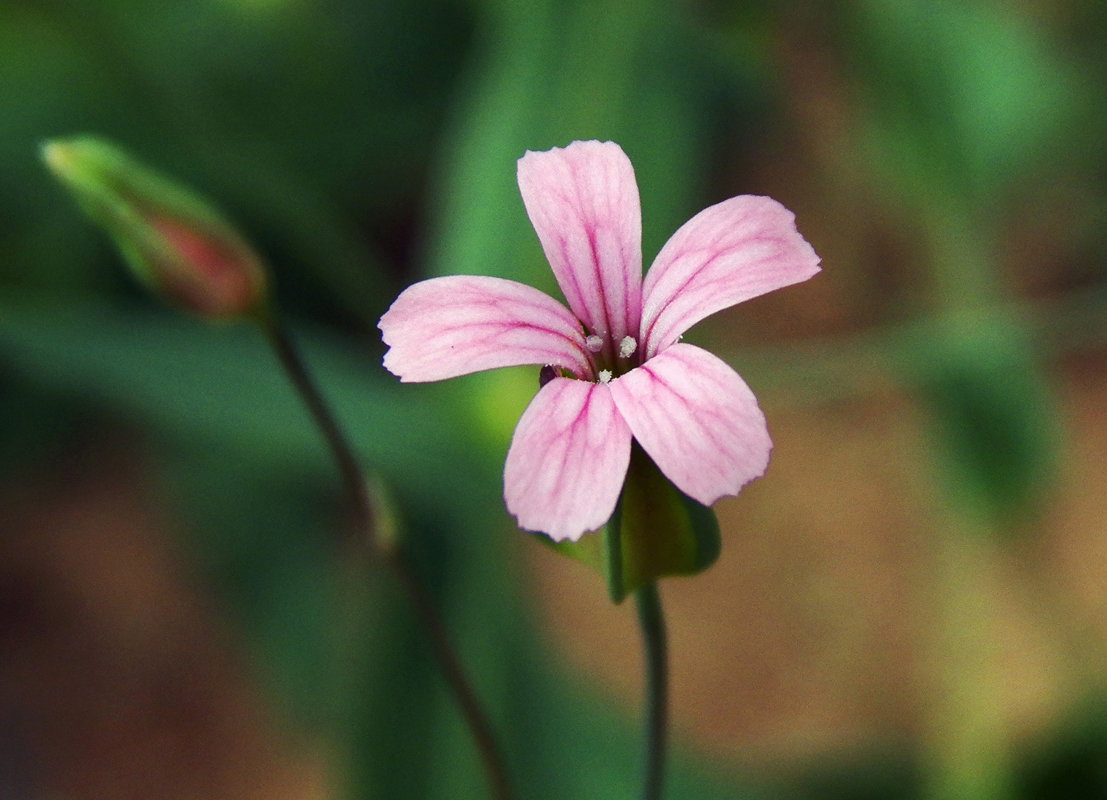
[[652, 622], [348, 467], [355, 484], [455, 677]]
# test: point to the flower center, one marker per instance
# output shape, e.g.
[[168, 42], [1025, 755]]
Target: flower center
[[611, 361], [605, 370]]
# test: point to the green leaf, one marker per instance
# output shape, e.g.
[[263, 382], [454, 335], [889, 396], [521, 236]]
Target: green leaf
[[963, 97], [553, 73], [996, 425], [656, 531], [204, 384]]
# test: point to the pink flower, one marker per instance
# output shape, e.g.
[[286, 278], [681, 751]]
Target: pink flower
[[613, 364]]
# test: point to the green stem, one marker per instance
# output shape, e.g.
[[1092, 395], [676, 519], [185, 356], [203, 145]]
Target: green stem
[[343, 455], [355, 483], [652, 622]]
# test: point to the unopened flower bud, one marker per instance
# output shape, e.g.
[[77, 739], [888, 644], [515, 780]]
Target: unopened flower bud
[[173, 240]]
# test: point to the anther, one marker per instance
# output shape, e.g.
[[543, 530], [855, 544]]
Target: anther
[[547, 374], [594, 343], [627, 347], [605, 376]]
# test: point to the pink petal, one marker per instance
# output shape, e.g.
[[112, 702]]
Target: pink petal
[[698, 421], [459, 324], [734, 250], [567, 460], [583, 203]]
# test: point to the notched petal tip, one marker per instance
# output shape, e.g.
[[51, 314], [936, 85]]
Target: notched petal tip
[[593, 148]]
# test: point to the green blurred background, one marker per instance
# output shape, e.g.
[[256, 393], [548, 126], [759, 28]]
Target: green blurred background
[[910, 604]]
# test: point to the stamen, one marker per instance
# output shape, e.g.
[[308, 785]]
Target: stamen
[[605, 376], [594, 343], [627, 347], [547, 374]]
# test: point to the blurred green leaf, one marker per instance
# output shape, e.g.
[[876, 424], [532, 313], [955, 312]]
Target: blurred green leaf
[[554, 72], [965, 95], [203, 383], [998, 433]]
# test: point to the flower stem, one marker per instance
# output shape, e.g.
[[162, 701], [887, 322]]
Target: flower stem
[[652, 622], [351, 473], [355, 483]]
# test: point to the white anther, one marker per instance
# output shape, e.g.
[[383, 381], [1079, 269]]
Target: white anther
[[627, 347], [594, 343], [605, 376]]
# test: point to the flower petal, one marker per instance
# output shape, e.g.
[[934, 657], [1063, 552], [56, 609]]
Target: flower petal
[[697, 419], [737, 249], [567, 460], [583, 203], [451, 326]]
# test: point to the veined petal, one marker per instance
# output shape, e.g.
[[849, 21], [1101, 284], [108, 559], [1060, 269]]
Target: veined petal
[[737, 249], [451, 326], [567, 460], [697, 419], [583, 203]]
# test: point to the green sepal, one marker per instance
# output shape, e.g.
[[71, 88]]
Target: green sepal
[[655, 531]]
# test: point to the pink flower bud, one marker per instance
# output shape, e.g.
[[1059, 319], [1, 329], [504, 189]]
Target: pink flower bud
[[174, 241]]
